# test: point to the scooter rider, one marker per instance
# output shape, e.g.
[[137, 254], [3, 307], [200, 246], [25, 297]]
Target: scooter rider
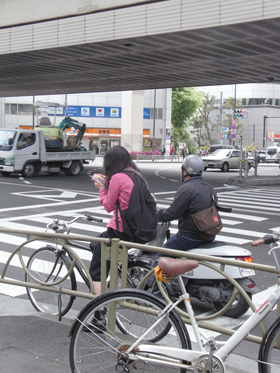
[[193, 196]]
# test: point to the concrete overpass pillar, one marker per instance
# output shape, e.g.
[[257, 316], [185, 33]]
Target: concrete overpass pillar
[[132, 120]]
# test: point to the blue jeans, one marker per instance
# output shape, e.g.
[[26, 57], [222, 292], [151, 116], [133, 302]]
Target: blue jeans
[[182, 243]]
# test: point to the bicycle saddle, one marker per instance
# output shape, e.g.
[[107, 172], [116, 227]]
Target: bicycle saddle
[[176, 267]]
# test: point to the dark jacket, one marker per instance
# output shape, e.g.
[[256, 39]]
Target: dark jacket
[[193, 196]]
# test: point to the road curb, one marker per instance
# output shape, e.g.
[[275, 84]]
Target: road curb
[[253, 181]]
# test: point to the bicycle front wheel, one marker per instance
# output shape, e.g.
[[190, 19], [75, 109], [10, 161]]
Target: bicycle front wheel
[[93, 350], [49, 265], [270, 360]]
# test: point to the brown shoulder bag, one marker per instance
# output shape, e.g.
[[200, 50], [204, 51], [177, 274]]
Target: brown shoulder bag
[[207, 222]]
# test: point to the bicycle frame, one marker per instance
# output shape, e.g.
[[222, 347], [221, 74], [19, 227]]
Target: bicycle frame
[[150, 352]]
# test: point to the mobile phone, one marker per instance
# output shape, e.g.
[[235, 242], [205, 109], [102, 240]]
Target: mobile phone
[[97, 177]]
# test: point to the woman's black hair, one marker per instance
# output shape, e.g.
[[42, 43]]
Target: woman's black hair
[[116, 160]]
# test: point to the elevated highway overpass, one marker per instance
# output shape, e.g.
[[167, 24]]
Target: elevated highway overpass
[[95, 46]]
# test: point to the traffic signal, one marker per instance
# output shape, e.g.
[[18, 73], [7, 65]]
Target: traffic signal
[[238, 113]]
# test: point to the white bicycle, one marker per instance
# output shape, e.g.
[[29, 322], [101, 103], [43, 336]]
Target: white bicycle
[[143, 334]]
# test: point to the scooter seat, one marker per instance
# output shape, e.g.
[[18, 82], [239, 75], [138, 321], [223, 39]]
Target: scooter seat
[[176, 267]]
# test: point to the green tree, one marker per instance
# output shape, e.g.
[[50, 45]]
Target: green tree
[[185, 102], [227, 121], [180, 134], [202, 122], [196, 123]]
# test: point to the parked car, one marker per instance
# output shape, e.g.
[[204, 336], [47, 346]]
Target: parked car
[[215, 147], [261, 157], [225, 159]]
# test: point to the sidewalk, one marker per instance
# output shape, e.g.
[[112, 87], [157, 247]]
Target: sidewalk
[[34, 342]]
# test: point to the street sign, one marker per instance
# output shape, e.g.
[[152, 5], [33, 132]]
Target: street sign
[[233, 127], [222, 136], [233, 135], [225, 129], [233, 121], [270, 135], [226, 136], [229, 111]]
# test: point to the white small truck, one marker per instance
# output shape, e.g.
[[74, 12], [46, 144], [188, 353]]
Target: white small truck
[[24, 151]]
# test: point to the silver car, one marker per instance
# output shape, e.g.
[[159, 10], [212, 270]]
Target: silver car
[[224, 159]]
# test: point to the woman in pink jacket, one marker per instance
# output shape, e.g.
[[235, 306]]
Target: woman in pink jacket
[[117, 187]]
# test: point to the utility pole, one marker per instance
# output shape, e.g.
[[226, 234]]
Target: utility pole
[[220, 118], [241, 154], [33, 112], [264, 130], [65, 104], [154, 126], [234, 107]]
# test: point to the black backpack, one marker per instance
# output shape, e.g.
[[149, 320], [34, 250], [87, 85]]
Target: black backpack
[[140, 218]]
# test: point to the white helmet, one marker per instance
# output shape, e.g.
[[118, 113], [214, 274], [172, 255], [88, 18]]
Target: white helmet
[[193, 164]]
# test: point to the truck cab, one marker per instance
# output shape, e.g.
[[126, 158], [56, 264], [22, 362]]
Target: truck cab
[[18, 148]]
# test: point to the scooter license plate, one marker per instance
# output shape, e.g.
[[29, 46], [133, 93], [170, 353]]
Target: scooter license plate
[[245, 272]]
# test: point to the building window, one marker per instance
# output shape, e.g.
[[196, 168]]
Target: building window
[[158, 113], [13, 109], [25, 109], [259, 101], [7, 108]]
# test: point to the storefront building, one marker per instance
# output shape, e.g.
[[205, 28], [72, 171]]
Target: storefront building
[[101, 112]]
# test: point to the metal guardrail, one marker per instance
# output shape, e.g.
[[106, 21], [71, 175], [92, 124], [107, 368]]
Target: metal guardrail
[[117, 251], [159, 158], [55, 239]]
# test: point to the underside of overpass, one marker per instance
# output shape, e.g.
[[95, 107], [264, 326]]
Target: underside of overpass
[[232, 53]]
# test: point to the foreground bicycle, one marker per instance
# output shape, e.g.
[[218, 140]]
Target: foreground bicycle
[[143, 334], [50, 264]]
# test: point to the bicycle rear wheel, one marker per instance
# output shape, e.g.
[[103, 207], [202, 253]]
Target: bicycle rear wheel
[[270, 356], [49, 266], [106, 352]]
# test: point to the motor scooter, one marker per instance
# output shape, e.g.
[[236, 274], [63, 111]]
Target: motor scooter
[[202, 283]]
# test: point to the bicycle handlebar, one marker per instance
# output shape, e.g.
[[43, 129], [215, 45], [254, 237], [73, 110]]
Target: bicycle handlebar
[[257, 242], [91, 218], [267, 240], [56, 224]]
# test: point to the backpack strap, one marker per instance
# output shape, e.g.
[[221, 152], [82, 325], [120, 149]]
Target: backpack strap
[[130, 171], [118, 207]]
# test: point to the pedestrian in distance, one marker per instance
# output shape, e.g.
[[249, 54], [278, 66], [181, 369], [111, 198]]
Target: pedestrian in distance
[[185, 151], [172, 153], [163, 151]]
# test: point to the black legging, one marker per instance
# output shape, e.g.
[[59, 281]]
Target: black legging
[[95, 265]]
